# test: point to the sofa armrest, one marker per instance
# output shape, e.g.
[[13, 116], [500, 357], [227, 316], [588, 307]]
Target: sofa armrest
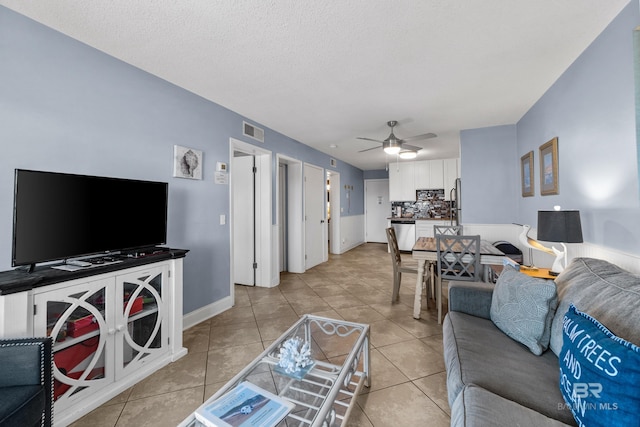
[[24, 361], [472, 298], [26, 365]]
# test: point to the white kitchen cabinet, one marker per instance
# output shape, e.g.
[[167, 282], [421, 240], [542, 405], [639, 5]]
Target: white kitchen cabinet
[[436, 179], [422, 175], [402, 181], [429, 174], [407, 177]]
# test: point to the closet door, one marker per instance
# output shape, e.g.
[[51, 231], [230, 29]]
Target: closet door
[[244, 239]]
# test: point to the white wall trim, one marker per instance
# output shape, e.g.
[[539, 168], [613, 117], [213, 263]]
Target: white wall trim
[[351, 232], [206, 312], [334, 199], [275, 259]]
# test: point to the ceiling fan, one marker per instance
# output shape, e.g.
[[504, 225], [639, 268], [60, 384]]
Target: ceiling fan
[[395, 145]]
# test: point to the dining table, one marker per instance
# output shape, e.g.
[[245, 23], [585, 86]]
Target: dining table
[[425, 251]]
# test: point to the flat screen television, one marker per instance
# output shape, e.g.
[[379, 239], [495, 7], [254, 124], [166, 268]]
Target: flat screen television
[[58, 216]]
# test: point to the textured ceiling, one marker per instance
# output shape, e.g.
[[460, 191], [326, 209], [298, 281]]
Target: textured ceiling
[[325, 72]]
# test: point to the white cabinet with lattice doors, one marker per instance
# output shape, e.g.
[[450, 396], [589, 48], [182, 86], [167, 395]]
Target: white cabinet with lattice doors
[[80, 320], [142, 319], [106, 330]]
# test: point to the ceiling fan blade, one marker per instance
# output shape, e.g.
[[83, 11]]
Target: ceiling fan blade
[[410, 147], [369, 149], [369, 139], [420, 137]]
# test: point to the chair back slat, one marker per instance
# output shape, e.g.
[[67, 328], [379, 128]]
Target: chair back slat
[[393, 244], [458, 257], [448, 230]]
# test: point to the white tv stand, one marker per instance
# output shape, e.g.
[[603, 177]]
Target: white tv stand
[[111, 325]]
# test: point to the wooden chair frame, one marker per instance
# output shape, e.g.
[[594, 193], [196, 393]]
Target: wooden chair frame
[[399, 266]]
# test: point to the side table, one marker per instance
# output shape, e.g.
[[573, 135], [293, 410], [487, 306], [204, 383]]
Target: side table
[[542, 273]]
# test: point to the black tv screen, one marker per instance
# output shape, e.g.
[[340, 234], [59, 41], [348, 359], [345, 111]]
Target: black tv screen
[[58, 216]]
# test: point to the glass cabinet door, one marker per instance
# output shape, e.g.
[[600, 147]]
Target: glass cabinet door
[[140, 319], [79, 319]]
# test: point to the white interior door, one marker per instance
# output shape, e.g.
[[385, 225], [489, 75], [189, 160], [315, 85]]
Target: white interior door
[[377, 209], [314, 195], [290, 196], [282, 215], [250, 217], [243, 219]]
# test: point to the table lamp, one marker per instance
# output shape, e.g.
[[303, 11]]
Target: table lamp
[[562, 227]]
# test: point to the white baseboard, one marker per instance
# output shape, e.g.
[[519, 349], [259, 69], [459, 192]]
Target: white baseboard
[[206, 312], [351, 246]]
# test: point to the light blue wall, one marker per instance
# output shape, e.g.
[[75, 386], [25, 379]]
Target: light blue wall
[[67, 107], [591, 110], [488, 189]]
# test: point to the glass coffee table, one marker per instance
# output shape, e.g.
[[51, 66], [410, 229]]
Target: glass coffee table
[[326, 394]]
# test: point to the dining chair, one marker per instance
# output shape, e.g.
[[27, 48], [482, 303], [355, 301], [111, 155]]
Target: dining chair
[[458, 259], [399, 266], [448, 230]]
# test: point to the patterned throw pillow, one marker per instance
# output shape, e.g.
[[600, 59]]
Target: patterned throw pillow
[[599, 373], [522, 307]]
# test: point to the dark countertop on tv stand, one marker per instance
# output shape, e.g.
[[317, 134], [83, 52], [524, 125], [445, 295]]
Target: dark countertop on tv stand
[[14, 281]]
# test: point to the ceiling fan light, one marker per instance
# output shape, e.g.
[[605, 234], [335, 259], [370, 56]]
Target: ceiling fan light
[[392, 149], [408, 155]]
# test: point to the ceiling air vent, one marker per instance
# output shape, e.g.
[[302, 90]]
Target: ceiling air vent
[[252, 132]]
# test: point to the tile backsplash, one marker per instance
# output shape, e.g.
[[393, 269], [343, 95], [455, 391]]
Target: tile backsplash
[[430, 204]]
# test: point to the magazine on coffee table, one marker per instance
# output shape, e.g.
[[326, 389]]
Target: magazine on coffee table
[[246, 405]]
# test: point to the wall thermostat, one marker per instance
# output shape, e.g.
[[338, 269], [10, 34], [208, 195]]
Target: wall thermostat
[[221, 167]]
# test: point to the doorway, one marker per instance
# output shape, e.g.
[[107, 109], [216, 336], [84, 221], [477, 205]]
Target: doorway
[[333, 212], [377, 209], [290, 218], [250, 215]]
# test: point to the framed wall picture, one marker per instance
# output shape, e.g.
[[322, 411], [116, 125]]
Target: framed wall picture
[[187, 162], [549, 167], [526, 174]]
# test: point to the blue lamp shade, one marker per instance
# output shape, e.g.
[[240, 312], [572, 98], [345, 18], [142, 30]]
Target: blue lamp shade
[[559, 226]]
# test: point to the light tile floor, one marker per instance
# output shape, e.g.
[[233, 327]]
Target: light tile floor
[[408, 376]]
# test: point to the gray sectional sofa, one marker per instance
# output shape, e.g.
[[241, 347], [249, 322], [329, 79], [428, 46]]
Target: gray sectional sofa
[[494, 380]]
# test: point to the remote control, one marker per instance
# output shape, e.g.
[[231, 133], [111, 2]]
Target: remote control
[[79, 263]]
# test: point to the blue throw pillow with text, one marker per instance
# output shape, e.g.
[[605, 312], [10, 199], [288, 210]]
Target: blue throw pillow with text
[[599, 373]]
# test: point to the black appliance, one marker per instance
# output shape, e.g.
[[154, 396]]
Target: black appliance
[[58, 216]]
